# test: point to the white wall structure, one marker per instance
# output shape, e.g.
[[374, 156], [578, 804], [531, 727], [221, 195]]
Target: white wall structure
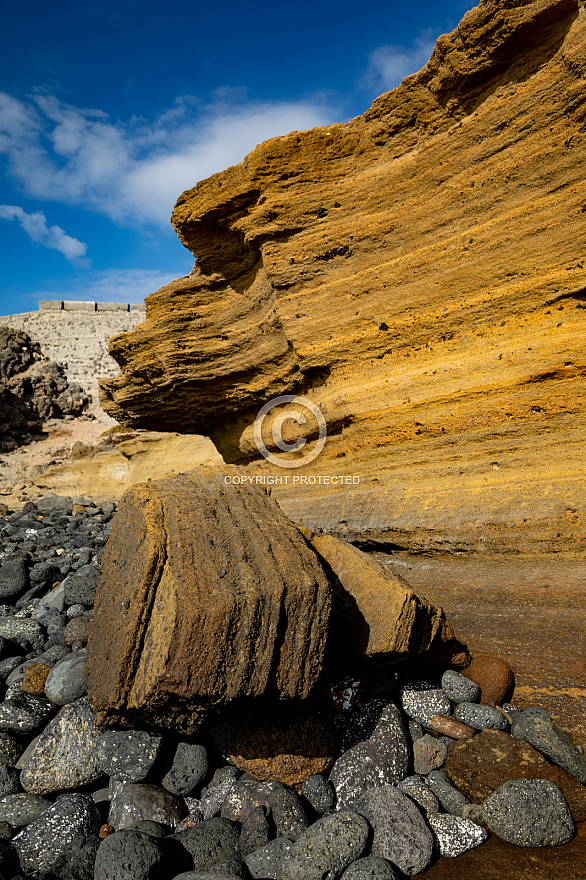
[[76, 334]]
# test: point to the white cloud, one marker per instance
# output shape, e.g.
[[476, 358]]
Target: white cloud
[[112, 285], [36, 227], [132, 172], [389, 65]]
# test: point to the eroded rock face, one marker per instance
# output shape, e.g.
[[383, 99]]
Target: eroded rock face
[[208, 593], [376, 614], [418, 273]]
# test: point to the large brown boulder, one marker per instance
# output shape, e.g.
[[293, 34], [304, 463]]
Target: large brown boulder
[[208, 594]]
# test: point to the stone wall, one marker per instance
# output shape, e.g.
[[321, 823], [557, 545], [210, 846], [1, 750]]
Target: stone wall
[[76, 334]]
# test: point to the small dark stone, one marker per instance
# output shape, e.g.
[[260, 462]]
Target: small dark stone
[[264, 862], [57, 834], [13, 579], [189, 768], [255, 831], [370, 868], [319, 792], [127, 754], [327, 847], [287, 811], [128, 855]]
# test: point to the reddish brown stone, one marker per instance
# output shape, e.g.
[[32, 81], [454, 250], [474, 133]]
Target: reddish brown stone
[[284, 745], [105, 831], [34, 679], [494, 676], [208, 594], [447, 726], [478, 766], [77, 631]]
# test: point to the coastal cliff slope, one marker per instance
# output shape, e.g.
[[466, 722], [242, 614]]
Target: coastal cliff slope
[[418, 273]]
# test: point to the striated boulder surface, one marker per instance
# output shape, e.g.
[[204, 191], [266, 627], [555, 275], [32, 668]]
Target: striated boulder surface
[[376, 614], [419, 274], [208, 593]]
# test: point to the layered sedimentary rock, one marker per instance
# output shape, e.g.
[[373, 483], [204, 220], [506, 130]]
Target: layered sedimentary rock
[[208, 594], [376, 614], [419, 274]]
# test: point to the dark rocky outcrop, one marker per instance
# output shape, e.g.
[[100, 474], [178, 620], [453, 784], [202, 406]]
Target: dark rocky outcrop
[[32, 389]]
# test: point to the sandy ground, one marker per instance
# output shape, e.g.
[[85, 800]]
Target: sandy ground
[[62, 440]]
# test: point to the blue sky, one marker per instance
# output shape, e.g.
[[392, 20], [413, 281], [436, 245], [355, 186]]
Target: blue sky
[[109, 110]]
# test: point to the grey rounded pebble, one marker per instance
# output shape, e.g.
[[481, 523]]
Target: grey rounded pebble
[[421, 700], [553, 742], [128, 754], [319, 793], [209, 842], [9, 783], [189, 768], [65, 753], [455, 835], [327, 847], [13, 579], [57, 833], [155, 829], [9, 664], [80, 589], [452, 800], [382, 759], [75, 611], [429, 753], [24, 713], [416, 788], [458, 688], [128, 855], [529, 812], [133, 802], [287, 812], [400, 832], [526, 712], [19, 628], [481, 717], [264, 862], [10, 749], [21, 808], [370, 868], [67, 680]]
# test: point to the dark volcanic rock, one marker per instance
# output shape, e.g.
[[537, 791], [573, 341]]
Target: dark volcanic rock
[[529, 812], [129, 855], [54, 837], [400, 833], [194, 561], [32, 388], [327, 847]]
